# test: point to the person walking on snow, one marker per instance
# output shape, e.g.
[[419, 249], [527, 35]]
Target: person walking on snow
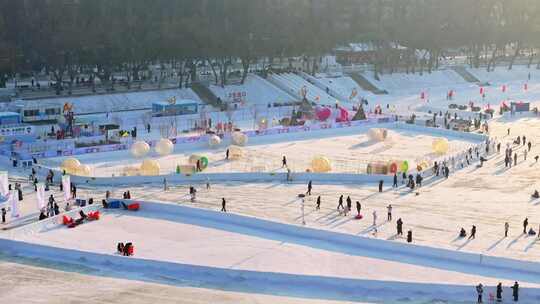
[[318, 203], [223, 205], [359, 208], [349, 203], [309, 186], [374, 218], [506, 227], [499, 292], [389, 209], [525, 224], [395, 185], [473, 232], [529, 145], [284, 162], [340, 203], [381, 185]]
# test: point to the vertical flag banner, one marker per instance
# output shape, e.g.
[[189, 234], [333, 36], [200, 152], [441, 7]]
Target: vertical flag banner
[[40, 195], [14, 204], [66, 184], [4, 183]]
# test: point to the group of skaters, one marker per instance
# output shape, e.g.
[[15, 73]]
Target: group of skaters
[[498, 293]]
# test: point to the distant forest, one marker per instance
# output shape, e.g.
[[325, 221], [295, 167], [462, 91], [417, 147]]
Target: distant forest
[[69, 37]]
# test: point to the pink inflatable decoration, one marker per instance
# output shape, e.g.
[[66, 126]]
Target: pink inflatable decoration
[[323, 113], [343, 115]]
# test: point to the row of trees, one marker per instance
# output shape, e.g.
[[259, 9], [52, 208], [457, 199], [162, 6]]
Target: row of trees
[[70, 37]]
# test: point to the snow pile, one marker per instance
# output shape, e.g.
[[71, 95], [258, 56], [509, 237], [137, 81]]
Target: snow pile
[[258, 92]]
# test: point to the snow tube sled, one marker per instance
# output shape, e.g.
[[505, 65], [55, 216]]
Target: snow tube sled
[[114, 204], [131, 207], [204, 162], [66, 220], [93, 216], [134, 206], [359, 217]]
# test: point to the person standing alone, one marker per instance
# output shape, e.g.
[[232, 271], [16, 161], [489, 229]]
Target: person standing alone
[[479, 291], [223, 205]]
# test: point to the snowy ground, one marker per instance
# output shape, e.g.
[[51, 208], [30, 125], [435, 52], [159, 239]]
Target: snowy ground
[[23, 282], [196, 245], [347, 153], [258, 92], [486, 197], [405, 83]]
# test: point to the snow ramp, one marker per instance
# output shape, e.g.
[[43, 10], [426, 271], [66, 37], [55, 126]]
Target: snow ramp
[[462, 71], [366, 84]]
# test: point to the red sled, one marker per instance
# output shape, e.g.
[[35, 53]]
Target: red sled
[[134, 207], [359, 217], [66, 220], [93, 216]]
